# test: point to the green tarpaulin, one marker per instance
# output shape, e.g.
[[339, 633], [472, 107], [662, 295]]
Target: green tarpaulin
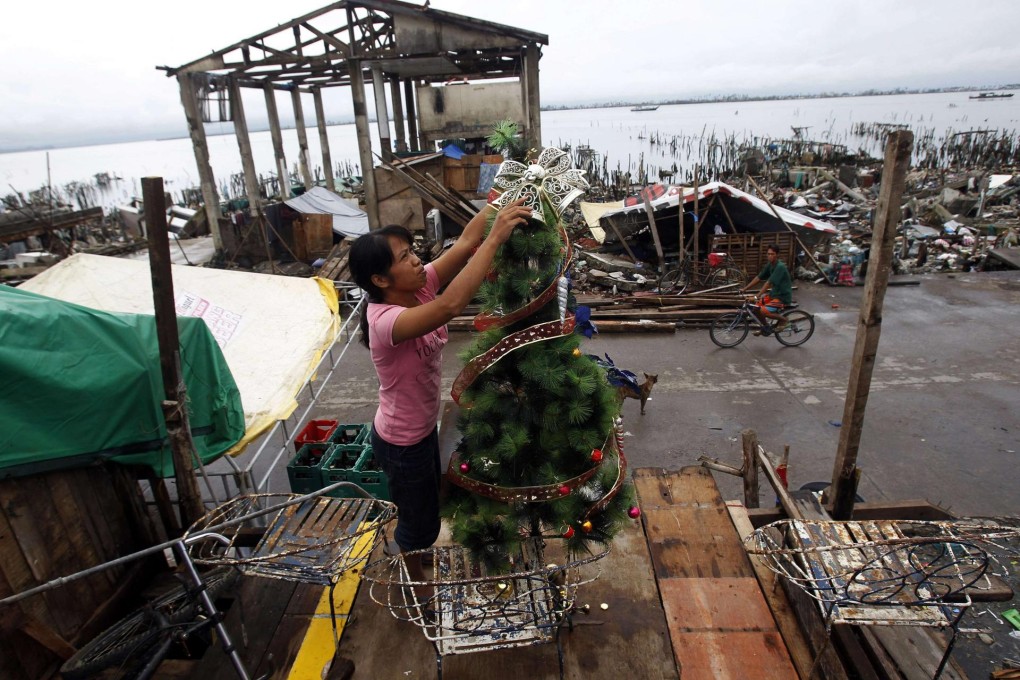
[[78, 386]]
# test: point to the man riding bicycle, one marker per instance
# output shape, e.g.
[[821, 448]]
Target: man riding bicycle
[[777, 291]]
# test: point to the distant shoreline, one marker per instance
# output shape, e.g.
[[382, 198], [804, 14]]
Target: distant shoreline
[[734, 99]]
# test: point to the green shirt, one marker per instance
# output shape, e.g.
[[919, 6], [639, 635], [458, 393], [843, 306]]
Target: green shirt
[[779, 277]]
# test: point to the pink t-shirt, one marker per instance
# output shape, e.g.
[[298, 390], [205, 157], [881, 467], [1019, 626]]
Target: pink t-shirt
[[410, 373]]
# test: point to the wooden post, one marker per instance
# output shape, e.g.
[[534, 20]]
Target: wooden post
[[655, 231], [869, 324], [251, 182], [320, 122], [175, 409], [411, 115], [398, 115], [749, 441], [533, 105], [697, 231], [196, 128], [382, 116], [302, 136], [364, 142], [274, 131]]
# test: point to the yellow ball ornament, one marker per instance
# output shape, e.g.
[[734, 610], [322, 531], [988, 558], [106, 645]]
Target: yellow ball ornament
[[586, 527], [577, 351]]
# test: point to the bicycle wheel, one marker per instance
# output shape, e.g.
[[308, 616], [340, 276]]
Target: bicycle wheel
[[799, 327], [125, 645], [131, 642], [729, 330], [723, 276], [675, 280]]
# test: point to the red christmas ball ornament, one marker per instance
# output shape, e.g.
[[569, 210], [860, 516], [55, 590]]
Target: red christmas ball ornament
[[634, 512], [569, 533], [465, 468], [586, 527], [564, 490], [596, 455]]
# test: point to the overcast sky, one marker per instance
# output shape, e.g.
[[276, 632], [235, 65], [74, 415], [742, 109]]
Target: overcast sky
[[77, 72]]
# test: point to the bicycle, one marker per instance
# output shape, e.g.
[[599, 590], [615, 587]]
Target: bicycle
[[719, 270], [730, 329], [311, 539]]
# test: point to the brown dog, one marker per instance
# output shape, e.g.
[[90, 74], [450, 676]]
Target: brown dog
[[645, 390]]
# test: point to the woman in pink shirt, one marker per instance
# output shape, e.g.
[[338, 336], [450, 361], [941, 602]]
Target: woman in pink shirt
[[404, 326]]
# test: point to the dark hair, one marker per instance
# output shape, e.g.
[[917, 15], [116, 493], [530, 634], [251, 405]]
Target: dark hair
[[773, 247], [370, 255]]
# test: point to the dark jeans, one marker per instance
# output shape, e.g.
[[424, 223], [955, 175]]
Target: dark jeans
[[414, 475]]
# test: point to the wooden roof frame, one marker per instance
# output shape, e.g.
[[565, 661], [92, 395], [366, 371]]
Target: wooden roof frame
[[313, 51], [349, 43]]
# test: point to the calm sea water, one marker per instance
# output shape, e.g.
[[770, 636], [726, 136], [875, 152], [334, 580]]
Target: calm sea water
[[618, 134]]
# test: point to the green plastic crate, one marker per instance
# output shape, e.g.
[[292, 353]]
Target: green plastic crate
[[369, 477], [304, 469], [338, 466], [350, 435]]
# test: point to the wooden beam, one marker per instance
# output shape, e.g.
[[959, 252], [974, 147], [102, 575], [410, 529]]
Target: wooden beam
[[869, 324], [364, 142], [777, 484], [611, 219], [382, 115], [175, 409], [251, 180], [274, 131], [398, 115], [533, 104], [655, 231], [320, 123], [196, 128], [302, 135], [413, 140]]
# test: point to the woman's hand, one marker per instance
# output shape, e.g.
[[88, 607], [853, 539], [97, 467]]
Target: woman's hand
[[508, 218]]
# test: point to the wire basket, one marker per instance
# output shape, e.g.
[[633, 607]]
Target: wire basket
[[463, 608], [309, 538]]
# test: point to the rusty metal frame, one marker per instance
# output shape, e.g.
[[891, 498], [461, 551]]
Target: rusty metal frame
[[467, 608], [884, 572]]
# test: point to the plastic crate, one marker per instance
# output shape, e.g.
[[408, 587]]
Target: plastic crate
[[314, 432], [304, 469], [369, 477], [350, 435], [339, 465]]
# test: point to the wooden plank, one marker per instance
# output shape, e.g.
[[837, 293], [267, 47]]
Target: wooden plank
[[728, 603], [33, 519], [711, 655], [694, 542], [916, 651], [779, 605], [252, 622]]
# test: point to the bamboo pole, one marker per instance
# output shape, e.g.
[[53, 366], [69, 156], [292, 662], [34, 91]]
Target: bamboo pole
[[869, 325]]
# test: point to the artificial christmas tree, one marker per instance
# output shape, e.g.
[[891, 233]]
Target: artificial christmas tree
[[540, 454]]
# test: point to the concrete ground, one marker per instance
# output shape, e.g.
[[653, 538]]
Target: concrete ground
[[941, 423], [942, 417]]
